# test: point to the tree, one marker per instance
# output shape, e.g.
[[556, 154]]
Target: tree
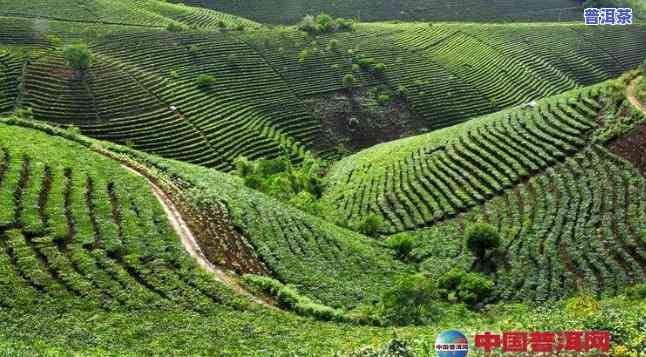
[[349, 81], [481, 238], [465, 287], [371, 225], [78, 57], [410, 301], [176, 27]]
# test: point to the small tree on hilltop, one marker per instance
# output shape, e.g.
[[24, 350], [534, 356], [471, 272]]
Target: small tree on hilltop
[[78, 57]]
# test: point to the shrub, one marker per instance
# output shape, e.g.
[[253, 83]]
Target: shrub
[[333, 45], [176, 27], [402, 92], [636, 292], [410, 301], [371, 225], [222, 24], [204, 81], [366, 62], [481, 238], [24, 113], [240, 27], [403, 245], [465, 287], [379, 68], [349, 81], [244, 167], [383, 99], [582, 306], [344, 24], [289, 298], [78, 56], [325, 23], [308, 24]]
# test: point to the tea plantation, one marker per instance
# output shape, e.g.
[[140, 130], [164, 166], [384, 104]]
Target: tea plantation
[[236, 178]]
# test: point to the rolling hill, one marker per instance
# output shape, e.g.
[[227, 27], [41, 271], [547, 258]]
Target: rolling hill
[[217, 181], [265, 101], [291, 11]]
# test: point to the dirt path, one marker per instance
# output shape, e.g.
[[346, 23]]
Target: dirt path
[[190, 243], [630, 94]]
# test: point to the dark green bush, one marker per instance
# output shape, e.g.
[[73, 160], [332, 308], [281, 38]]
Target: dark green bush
[[465, 287], [204, 81], [324, 23], [481, 238], [349, 81], [371, 225], [383, 99], [403, 245], [78, 56], [379, 68], [175, 27], [409, 301], [636, 292]]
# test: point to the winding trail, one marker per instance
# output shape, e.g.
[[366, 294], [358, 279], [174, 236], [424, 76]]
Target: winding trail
[[188, 239], [632, 97]]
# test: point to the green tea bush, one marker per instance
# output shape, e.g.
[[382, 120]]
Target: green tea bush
[[465, 287], [636, 292]]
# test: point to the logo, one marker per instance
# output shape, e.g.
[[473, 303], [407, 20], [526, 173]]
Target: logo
[[451, 344], [608, 16]]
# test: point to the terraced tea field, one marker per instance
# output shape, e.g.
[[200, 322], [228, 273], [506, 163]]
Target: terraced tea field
[[291, 11], [421, 180], [206, 177], [77, 229], [141, 90]]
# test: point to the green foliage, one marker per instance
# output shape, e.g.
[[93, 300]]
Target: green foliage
[[324, 23], [379, 68], [409, 302], [394, 348], [383, 99], [290, 299], [25, 113], [176, 27], [402, 92], [370, 225], [582, 306], [349, 81], [636, 292], [465, 287], [481, 238], [204, 81], [403, 245], [333, 45], [78, 56]]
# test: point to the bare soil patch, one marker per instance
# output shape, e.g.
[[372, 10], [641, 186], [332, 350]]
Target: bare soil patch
[[632, 147]]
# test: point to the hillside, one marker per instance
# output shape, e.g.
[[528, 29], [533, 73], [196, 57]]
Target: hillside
[[280, 90], [65, 258], [291, 11], [221, 178]]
